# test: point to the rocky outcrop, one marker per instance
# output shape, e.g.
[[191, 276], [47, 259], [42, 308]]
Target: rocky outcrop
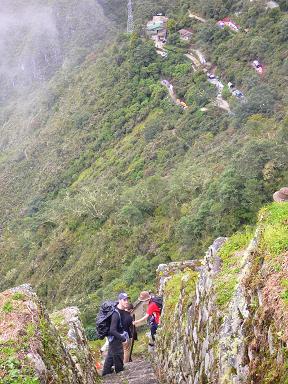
[[281, 195], [31, 350], [70, 329], [227, 323]]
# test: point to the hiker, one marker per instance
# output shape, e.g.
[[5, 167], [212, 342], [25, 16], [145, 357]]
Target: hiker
[[153, 313], [128, 327], [117, 337]]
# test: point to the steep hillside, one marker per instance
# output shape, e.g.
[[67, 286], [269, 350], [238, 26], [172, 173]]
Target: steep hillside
[[227, 323], [103, 177]]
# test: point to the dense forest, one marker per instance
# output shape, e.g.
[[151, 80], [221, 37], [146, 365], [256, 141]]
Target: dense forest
[[102, 177]]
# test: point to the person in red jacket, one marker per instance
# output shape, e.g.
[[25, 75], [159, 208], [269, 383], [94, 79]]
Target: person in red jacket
[[153, 313]]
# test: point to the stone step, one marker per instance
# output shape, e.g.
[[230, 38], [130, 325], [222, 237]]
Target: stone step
[[138, 372]]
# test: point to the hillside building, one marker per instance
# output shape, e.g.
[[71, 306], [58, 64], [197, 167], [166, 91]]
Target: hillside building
[[156, 29], [185, 34]]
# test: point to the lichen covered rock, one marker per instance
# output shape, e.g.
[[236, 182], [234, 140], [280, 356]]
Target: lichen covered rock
[[69, 326], [31, 351], [281, 196], [228, 322]]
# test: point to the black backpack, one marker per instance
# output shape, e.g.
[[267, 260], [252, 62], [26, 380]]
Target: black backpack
[[103, 320], [158, 300]]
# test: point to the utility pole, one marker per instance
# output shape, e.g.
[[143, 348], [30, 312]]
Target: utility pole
[[130, 22]]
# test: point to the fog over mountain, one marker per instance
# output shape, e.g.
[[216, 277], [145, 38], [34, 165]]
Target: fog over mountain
[[29, 44], [37, 38]]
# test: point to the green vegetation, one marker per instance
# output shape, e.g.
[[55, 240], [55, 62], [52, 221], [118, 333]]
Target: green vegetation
[[14, 371], [231, 255], [104, 178], [275, 234], [181, 282], [284, 296], [18, 296], [60, 324], [51, 346], [273, 242], [7, 307]]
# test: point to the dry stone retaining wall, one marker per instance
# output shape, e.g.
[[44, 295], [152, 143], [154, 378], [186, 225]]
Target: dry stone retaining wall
[[31, 349], [200, 341]]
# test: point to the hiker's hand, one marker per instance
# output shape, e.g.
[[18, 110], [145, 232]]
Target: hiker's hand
[[125, 342]]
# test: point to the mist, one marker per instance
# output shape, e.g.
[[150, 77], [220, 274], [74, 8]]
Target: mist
[[29, 45], [36, 38]]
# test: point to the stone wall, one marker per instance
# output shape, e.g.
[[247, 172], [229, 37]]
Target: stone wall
[[31, 349], [70, 329], [227, 322]]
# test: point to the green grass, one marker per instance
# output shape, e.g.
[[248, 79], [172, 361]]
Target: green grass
[[7, 307], [18, 296], [275, 229], [226, 280], [16, 371], [284, 295], [273, 242], [184, 280]]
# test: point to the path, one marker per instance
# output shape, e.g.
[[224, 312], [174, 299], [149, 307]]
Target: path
[[196, 62], [201, 56], [220, 102], [197, 58], [193, 16], [200, 62], [173, 96], [138, 372]]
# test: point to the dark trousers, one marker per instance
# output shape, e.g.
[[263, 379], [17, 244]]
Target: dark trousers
[[115, 357], [153, 329]]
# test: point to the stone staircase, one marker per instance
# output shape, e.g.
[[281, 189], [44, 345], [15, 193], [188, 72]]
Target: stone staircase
[[138, 372]]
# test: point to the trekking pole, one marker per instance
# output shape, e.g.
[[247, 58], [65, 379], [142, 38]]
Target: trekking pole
[[132, 344]]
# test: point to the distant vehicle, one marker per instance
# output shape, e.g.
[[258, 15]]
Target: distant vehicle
[[238, 93], [162, 53], [258, 66], [226, 22], [183, 105]]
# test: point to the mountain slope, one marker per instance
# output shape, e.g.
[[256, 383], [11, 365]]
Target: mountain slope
[[103, 178]]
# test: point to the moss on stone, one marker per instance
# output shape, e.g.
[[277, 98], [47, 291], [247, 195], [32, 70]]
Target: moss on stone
[[231, 255], [268, 371], [18, 296], [53, 359], [7, 307], [184, 280], [61, 325]]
